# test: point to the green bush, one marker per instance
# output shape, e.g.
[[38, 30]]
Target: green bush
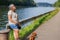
[[57, 3], [24, 32]]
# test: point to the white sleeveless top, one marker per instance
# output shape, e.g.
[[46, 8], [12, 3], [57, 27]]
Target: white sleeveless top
[[14, 16]]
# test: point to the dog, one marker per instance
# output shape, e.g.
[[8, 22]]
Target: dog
[[32, 37]]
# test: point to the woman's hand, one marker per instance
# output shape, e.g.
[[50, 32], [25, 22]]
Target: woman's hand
[[19, 24]]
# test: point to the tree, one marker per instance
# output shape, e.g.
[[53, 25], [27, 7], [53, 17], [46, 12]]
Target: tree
[[18, 2], [57, 4]]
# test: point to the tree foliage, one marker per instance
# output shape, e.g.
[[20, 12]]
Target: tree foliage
[[57, 4], [17, 2]]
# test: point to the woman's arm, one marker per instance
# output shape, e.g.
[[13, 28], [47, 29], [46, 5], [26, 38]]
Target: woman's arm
[[18, 21]]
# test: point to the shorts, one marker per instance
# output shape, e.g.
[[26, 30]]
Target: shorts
[[13, 26]]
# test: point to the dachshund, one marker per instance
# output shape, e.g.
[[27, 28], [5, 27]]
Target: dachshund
[[32, 37]]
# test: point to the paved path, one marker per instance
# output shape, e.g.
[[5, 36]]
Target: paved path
[[49, 30]]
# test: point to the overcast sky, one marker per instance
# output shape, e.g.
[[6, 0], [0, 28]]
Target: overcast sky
[[49, 1]]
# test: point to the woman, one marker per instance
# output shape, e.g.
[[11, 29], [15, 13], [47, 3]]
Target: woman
[[13, 20]]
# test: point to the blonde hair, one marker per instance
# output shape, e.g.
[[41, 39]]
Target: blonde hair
[[11, 5]]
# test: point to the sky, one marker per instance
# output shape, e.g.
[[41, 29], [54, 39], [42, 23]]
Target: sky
[[48, 1]]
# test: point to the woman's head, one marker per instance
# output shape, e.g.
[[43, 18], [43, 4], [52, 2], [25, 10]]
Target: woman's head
[[12, 7]]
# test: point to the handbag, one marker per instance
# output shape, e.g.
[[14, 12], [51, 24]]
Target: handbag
[[19, 27]]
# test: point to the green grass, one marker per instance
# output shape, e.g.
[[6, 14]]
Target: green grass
[[34, 25]]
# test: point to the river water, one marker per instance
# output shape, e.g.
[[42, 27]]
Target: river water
[[23, 14]]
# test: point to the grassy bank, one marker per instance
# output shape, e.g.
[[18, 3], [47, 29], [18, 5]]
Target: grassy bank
[[34, 25]]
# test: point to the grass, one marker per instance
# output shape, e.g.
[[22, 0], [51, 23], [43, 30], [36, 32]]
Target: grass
[[34, 25]]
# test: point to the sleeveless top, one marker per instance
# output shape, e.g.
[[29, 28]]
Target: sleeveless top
[[14, 16]]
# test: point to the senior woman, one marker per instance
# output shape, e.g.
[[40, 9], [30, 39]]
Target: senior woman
[[13, 20]]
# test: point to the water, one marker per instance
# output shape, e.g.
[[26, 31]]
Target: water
[[23, 13], [26, 13]]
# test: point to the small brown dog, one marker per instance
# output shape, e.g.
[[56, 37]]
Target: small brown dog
[[32, 37]]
